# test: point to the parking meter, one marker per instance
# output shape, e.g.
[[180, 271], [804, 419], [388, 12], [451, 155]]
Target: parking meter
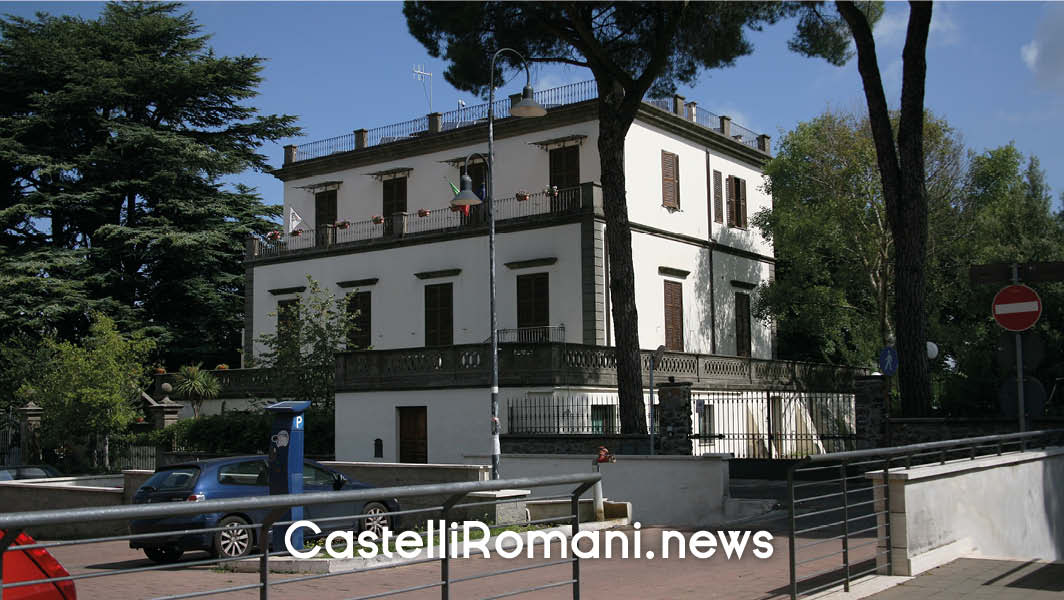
[[286, 462]]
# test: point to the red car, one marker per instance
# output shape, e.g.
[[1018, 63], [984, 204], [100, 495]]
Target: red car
[[30, 565]]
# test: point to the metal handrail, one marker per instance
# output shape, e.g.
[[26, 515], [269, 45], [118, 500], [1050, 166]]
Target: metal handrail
[[23, 520], [880, 461], [917, 448]]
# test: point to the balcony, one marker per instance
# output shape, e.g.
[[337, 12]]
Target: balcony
[[513, 210], [526, 364]]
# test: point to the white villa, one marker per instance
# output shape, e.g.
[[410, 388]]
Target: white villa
[[376, 225]]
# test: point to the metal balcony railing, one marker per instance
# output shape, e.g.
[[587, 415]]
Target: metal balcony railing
[[421, 221], [467, 116]]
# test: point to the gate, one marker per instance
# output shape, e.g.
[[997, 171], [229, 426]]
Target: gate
[[10, 441], [767, 424]]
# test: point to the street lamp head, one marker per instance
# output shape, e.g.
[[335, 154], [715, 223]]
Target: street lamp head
[[466, 197], [527, 106]]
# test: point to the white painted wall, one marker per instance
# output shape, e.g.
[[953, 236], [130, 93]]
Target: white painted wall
[[643, 148], [518, 165], [1006, 507], [663, 490], [726, 268], [398, 298]]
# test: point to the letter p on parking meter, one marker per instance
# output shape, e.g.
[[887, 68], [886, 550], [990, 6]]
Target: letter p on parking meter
[[286, 461]]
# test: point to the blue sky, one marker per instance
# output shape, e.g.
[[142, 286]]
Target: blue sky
[[995, 72]]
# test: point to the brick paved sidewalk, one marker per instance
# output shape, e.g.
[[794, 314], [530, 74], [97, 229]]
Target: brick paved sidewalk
[[613, 579], [981, 579]]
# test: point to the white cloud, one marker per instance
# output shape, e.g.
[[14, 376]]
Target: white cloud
[[893, 25], [1029, 54], [1044, 55], [944, 29]]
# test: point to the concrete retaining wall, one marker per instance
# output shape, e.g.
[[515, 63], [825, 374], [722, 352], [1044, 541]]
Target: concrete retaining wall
[[1009, 506], [663, 490], [65, 492]]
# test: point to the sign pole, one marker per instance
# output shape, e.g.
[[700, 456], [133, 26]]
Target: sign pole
[[1019, 362]]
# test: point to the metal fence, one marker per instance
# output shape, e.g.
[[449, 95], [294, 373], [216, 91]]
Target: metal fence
[[531, 335], [558, 414], [449, 502], [773, 424], [840, 523], [420, 221], [133, 457], [477, 114]]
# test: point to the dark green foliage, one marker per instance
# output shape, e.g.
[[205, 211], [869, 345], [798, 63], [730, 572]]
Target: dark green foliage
[[233, 432], [114, 134]]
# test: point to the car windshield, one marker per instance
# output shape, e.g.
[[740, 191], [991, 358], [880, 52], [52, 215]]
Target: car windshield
[[178, 478]]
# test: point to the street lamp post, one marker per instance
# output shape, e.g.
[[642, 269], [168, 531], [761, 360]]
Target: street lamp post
[[526, 107]]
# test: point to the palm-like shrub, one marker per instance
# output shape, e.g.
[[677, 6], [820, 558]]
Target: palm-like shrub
[[195, 384]]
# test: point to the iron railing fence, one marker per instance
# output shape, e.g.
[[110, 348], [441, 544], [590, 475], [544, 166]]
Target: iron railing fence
[[564, 414], [421, 221], [131, 456], [448, 502], [548, 334], [773, 424], [839, 515], [467, 116]]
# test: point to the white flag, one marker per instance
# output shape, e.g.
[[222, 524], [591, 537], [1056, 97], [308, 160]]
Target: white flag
[[294, 220]]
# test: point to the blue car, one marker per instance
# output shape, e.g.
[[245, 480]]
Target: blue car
[[239, 477]]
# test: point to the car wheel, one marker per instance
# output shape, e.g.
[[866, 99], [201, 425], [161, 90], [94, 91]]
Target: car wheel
[[235, 540], [376, 519], [164, 554]]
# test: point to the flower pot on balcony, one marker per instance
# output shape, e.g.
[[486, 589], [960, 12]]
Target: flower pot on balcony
[[221, 367], [296, 232], [522, 195], [343, 224], [273, 236], [377, 219], [422, 212]]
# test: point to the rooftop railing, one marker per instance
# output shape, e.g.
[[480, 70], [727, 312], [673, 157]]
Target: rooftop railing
[[467, 116]]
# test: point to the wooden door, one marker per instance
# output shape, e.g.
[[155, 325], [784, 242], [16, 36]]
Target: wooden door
[[413, 434]]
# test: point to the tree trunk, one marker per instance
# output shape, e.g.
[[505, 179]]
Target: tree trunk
[[613, 127], [901, 169]]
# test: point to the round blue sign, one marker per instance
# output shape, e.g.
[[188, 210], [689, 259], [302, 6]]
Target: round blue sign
[[888, 361]]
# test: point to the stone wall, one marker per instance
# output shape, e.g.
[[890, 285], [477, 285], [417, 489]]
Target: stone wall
[[902, 431]]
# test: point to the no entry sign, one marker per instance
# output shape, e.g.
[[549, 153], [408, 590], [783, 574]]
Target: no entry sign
[[1017, 307]]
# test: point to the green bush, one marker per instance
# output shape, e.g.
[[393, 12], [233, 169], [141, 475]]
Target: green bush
[[236, 432]]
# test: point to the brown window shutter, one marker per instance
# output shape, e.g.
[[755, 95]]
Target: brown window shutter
[[670, 180], [731, 201], [742, 324], [718, 197], [742, 203], [358, 304], [674, 316]]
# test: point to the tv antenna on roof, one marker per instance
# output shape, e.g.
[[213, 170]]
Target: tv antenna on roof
[[422, 75]]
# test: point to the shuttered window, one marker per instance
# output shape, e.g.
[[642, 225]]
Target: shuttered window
[[674, 316], [394, 196], [439, 315], [533, 300], [287, 319], [358, 305], [670, 180], [742, 324], [736, 202], [565, 167], [718, 197]]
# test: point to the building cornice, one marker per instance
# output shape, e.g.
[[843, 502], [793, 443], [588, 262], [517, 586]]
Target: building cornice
[[561, 116]]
